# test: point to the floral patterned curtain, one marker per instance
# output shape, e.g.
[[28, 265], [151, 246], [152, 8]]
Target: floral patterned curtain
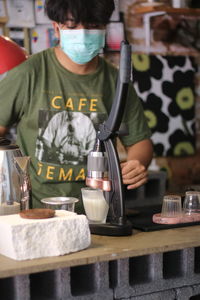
[[165, 85]]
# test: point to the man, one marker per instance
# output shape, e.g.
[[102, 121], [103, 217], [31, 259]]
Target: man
[[70, 78]]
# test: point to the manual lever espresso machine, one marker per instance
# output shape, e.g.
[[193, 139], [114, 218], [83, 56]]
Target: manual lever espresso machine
[[103, 168]]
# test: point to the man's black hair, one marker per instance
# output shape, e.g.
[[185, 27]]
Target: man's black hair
[[82, 11]]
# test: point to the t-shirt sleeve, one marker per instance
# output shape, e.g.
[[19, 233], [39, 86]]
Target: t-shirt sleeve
[[12, 90], [135, 120]]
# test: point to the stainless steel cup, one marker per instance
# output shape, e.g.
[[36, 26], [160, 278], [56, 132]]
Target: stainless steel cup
[[58, 203]]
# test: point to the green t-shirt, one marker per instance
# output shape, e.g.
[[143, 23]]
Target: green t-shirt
[[58, 113]]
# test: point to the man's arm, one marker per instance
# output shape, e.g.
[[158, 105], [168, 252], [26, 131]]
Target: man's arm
[[3, 131], [134, 170]]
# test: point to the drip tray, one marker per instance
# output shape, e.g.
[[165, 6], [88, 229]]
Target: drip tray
[[141, 218]]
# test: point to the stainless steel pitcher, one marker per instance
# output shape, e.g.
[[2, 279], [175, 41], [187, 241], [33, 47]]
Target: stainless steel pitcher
[[15, 185]]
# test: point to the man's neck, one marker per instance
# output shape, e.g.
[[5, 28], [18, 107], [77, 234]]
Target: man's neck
[[68, 64]]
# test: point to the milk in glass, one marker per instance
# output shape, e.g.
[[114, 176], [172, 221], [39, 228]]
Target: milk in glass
[[95, 205]]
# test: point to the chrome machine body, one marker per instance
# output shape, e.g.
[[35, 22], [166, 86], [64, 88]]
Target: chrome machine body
[[14, 179]]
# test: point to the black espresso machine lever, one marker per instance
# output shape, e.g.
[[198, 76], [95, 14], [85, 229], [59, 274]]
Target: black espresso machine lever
[[103, 169]]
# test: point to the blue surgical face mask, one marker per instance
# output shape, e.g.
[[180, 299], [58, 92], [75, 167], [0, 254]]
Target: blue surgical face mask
[[82, 45]]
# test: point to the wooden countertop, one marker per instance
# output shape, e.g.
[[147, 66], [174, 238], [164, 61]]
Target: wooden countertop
[[104, 248]]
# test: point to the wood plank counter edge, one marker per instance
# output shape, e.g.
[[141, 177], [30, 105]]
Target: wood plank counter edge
[[104, 248]]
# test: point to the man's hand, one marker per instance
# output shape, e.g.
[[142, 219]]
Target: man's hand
[[134, 174]]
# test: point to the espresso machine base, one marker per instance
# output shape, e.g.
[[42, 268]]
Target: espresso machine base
[[111, 229]]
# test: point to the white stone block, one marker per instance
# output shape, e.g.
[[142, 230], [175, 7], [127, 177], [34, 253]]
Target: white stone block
[[23, 239]]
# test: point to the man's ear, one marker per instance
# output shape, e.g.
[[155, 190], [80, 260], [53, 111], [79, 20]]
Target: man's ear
[[56, 30]]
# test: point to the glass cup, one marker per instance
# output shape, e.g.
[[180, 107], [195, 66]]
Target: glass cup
[[191, 202], [95, 205], [172, 206]]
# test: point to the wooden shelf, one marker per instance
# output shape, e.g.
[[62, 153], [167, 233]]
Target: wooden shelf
[[139, 9], [3, 20], [4, 13]]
